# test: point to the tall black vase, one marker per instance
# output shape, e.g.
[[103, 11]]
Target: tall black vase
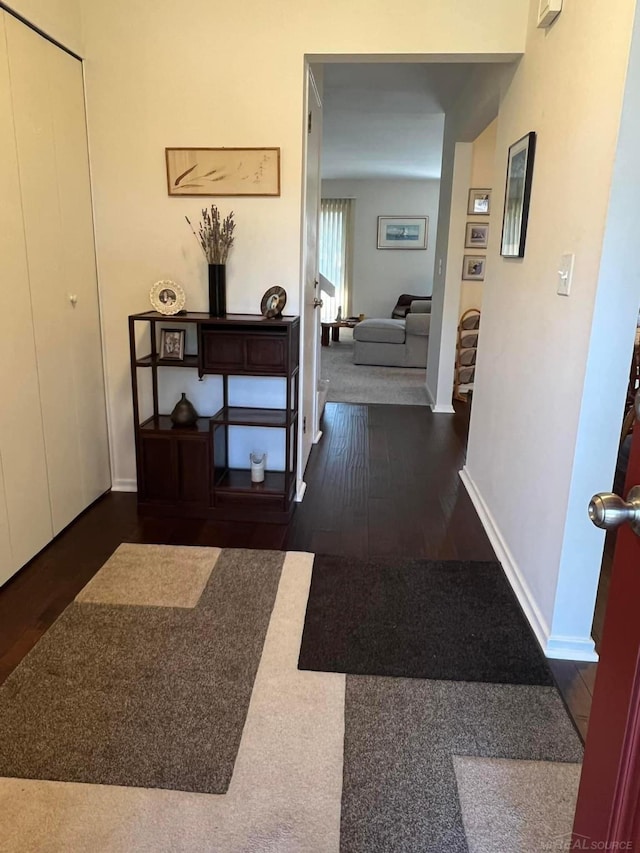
[[217, 290]]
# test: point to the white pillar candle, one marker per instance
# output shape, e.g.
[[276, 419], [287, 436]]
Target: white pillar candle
[[257, 459]]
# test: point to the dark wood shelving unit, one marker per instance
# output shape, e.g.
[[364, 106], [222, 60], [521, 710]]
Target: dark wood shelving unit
[[185, 471]]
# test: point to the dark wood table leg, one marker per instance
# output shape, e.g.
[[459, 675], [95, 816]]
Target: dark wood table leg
[[335, 333], [324, 340]]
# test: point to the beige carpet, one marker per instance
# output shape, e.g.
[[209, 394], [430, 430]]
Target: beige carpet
[[152, 576], [516, 806], [362, 383]]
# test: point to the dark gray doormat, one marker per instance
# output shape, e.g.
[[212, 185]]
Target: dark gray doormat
[[456, 621]]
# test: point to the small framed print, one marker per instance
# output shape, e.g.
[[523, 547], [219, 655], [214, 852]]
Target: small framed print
[[477, 235], [479, 202], [473, 268], [172, 344]]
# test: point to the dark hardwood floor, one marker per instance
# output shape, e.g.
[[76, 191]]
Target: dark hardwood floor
[[383, 481]]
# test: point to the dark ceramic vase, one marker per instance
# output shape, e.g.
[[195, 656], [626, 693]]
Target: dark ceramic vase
[[217, 290], [184, 414]]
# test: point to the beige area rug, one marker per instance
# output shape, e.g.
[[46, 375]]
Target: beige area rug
[[287, 781], [516, 806], [363, 383]]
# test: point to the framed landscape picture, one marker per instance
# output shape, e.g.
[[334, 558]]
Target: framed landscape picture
[[477, 235], [518, 196], [223, 171], [479, 202], [473, 267], [402, 232]]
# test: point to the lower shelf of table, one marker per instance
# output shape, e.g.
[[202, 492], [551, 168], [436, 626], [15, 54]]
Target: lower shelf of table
[[239, 480]]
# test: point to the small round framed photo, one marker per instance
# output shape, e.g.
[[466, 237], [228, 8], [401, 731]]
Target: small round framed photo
[[167, 297], [172, 344], [273, 302]]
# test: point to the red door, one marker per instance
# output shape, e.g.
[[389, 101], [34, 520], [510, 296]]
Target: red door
[[608, 809]]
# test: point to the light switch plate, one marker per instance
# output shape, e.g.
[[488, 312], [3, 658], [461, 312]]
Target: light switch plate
[[565, 274], [548, 11]]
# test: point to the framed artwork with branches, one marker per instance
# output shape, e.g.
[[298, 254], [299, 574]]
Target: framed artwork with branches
[[223, 171]]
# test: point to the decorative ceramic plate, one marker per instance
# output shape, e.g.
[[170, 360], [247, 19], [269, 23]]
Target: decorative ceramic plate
[[273, 302], [167, 297]]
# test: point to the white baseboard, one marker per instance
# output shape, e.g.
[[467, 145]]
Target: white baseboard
[[442, 408], [124, 486], [317, 437], [571, 648], [509, 565], [300, 490], [557, 647]]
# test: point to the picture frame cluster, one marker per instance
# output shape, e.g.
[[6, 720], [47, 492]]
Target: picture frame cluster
[[476, 234]]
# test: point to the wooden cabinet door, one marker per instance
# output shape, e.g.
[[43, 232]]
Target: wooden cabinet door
[[25, 514], [266, 354], [194, 471], [175, 468], [159, 468]]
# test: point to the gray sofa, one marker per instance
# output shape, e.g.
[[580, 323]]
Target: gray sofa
[[394, 343]]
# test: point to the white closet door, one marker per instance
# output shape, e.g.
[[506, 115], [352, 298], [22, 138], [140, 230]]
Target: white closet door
[[54, 177], [79, 264], [6, 557], [26, 496]]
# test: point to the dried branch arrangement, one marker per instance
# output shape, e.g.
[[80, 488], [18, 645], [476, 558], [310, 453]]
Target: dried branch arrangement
[[215, 235]]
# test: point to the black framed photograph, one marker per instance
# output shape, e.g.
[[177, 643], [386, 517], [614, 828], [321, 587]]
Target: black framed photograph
[[402, 232], [518, 196], [473, 267], [172, 344], [479, 202], [477, 235]]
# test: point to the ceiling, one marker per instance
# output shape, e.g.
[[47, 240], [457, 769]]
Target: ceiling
[[386, 120]]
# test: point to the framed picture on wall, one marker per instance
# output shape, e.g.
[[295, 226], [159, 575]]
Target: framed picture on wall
[[223, 171], [479, 202], [477, 235], [518, 196], [402, 232], [473, 268]]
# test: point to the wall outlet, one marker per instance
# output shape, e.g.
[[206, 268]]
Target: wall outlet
[[565, 274]]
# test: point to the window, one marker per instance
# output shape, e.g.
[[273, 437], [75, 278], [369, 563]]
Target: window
[[335, 254]]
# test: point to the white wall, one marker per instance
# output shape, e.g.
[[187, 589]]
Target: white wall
[[59, 19], [380, 276], [482, 175], [226, 74], [534, 398], [475, 108], [456, 174]]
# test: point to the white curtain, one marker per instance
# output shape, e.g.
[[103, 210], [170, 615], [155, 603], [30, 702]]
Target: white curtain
[[335, 254]]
